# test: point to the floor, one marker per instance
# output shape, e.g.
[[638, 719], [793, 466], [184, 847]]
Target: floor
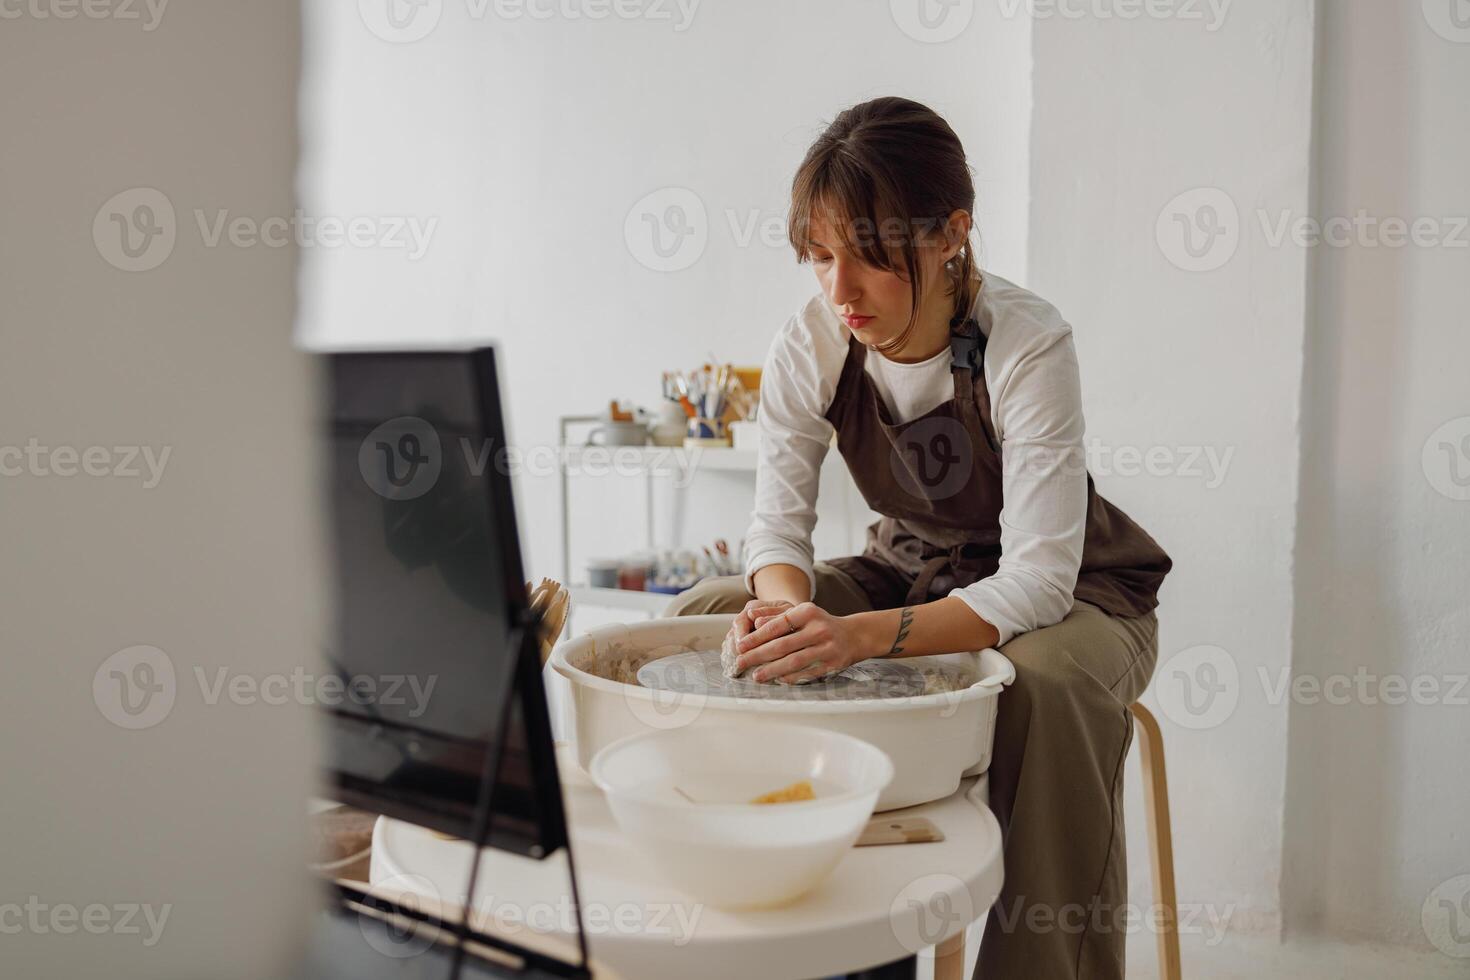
[[1252, 958]]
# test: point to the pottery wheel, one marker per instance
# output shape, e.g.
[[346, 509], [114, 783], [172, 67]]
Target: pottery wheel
[[699, 672]]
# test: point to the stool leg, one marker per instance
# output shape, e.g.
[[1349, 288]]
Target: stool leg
[[1160, 839], [949, 958]]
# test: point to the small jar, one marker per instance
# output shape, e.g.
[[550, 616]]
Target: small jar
[[602, 573], [633, 576]]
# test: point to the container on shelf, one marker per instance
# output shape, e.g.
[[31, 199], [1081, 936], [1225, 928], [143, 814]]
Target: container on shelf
[[619, 434], [745, 435], [706, 432], [670, 425], [633, 576], [602, 573], [674, 572]]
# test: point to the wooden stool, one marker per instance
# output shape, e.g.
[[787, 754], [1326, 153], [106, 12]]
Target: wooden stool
[[949, 956]]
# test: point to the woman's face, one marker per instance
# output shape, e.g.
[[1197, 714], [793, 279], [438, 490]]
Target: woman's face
[[876, 304]]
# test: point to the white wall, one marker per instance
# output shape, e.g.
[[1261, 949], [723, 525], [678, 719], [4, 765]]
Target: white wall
[[1130, 113], [535, 142], [1335, 549], [202, 813], [1377, 792]]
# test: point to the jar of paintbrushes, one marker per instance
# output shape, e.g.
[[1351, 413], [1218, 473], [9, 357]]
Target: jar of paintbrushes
[[709, 398]]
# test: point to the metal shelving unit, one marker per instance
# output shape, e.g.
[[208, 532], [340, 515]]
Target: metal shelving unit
[[660, 459], [652, 462], [652, 603]]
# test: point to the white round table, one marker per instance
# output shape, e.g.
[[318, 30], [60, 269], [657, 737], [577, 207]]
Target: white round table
[[882, 904]]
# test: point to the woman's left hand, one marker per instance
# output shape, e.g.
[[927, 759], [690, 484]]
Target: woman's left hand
[[799, 644]]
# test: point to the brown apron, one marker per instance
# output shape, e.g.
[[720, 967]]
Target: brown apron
[[936, 480]]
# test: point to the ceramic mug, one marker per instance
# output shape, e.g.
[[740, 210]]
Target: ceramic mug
[[669, 425], [602, 573], [619, 434]]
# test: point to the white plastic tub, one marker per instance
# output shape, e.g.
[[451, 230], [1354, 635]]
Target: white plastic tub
[[933, 739]]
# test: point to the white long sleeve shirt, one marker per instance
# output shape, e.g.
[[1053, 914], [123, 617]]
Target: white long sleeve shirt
[[1036, 405]]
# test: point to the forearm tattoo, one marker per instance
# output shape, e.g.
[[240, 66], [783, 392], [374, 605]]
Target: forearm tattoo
[[905, 620]]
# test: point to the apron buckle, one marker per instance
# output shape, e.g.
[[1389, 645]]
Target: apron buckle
[[964, 346]]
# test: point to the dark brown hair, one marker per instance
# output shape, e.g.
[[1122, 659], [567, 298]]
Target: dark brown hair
[[887, 174]]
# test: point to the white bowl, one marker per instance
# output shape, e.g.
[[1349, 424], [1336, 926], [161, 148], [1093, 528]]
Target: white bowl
[[724, 850]]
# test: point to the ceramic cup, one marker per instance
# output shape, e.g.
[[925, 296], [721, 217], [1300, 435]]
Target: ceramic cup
[[619, 434], [602, 573], [669, 425]]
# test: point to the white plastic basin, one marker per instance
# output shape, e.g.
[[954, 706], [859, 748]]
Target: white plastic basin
[[933, 739]]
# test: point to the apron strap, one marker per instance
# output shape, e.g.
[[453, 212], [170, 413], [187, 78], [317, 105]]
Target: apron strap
[[967, 364], [937, 560], [919, 591]]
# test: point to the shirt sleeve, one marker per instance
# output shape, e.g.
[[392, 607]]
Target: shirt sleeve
[[796, 391], [1043, 519]]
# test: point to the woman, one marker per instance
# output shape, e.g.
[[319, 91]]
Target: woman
[[956, 402]]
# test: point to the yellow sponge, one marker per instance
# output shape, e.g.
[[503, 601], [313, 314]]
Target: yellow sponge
[[801, 790]]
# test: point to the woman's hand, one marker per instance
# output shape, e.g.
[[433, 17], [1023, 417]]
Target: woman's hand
[[800, 643], [745, 620]]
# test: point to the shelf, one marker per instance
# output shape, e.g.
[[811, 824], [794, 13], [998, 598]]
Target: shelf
[[649, 463], [648, 602], [657, 459]]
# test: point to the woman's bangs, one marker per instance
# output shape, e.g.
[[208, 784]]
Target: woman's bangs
[[838, 215]]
